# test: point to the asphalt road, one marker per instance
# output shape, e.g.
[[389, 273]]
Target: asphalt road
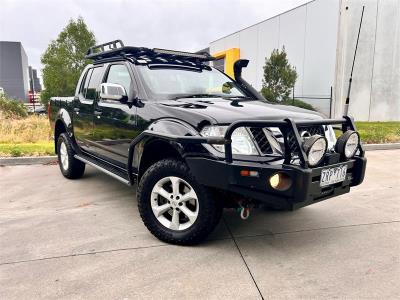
[[85, 239]]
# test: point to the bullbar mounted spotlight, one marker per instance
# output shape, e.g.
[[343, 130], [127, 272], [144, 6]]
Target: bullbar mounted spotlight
[[347, 144], [315, 147]]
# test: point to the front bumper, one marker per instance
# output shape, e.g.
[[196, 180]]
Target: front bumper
[[305, 189]]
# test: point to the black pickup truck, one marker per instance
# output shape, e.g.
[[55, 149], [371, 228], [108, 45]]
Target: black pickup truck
[[196, 140]]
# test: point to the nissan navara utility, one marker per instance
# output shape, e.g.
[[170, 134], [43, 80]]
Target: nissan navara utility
[[196, 140]]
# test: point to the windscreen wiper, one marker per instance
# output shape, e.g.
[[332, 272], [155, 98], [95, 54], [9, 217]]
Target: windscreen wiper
[[197, 96], [238, 97]]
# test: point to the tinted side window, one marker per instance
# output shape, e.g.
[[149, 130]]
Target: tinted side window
[[94, 83], [119, 74], [85, 83]]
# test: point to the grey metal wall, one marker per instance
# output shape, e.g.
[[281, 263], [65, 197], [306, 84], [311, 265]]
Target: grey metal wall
[[375, 94], [309, 34], [34, 82], [14, 70]]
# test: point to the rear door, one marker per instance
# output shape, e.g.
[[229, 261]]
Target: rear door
[[83, 114], [84, 107], [115, 122]]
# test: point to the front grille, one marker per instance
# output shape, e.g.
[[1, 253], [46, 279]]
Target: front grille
[[265, 147], [312, 130], [261, 140]]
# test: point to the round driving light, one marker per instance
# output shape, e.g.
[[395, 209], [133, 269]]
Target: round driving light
[[274, 180], [315, 148], [280, 181], [347, 144]]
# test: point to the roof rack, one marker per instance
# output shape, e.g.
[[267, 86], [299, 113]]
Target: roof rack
[[117, 49], [101, 48]]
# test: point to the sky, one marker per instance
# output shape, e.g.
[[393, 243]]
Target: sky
[[173, 24]]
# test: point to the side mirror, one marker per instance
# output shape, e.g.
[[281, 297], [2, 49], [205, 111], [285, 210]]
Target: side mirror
[[113, 91]]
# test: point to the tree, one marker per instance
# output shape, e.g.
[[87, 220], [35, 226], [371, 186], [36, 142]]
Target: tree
[[64, 59], [279, 77]]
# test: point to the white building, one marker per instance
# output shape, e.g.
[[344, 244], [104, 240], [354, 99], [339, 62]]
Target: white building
[[319, 38]]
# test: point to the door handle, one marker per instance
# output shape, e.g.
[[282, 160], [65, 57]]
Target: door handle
[[76, 109]]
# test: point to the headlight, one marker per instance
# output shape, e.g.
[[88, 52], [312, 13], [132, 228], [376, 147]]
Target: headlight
[[347, 144], [315, 148], [242, 143]]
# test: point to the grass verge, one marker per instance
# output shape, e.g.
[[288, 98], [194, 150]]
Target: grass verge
[[27, 149], [30, 136], [32, 129], [379, 132]]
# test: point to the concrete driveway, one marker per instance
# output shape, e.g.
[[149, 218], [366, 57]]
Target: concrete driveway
[[85, 239]]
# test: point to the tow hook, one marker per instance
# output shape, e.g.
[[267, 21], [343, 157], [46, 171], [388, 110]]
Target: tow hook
[[244, 211]]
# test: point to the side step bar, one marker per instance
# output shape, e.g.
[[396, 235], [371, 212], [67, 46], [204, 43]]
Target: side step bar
[[102, 168]]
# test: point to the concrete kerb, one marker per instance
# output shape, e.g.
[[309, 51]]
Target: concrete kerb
[[390, 146], [31, 160]]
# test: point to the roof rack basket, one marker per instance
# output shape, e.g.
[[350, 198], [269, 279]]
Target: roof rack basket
[[101, 48], [117, 49]]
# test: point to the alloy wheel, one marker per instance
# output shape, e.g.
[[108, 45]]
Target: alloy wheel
[[64, 156], [174, 203]]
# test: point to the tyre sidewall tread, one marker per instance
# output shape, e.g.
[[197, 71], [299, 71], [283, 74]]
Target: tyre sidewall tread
[[76, 168], [209, 210]]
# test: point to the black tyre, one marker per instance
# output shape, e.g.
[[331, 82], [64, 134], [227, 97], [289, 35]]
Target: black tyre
[[70, 167], [174, 206]]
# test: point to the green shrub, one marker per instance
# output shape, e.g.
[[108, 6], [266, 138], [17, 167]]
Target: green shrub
[[295, 102], [298, 103], [11, 109], [15, 152]]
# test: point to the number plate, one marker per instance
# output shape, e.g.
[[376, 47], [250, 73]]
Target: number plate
[[333, 175]]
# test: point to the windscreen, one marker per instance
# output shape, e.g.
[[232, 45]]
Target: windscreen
[[174, 83]]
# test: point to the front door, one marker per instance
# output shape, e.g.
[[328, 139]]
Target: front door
[[84, 108], [115, 122]]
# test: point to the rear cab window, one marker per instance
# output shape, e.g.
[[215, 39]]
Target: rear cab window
[[93, 87], [85, 82]]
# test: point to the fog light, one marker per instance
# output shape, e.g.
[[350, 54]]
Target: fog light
[[315, 148], [347, 144], [280, 181]]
